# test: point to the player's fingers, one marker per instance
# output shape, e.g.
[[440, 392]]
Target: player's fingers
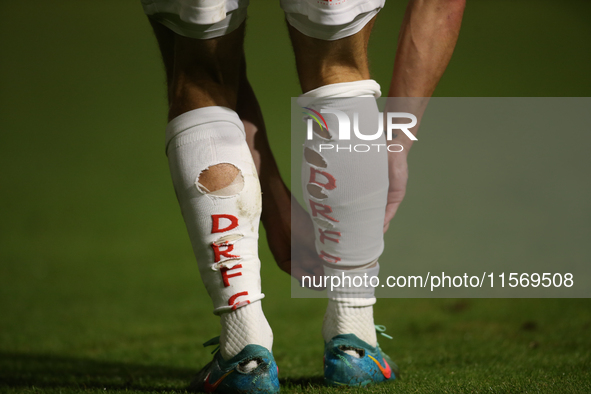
[[298, 271], [390, 212]]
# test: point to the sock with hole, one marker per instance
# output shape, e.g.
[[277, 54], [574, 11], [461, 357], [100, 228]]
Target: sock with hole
[[222, 220]]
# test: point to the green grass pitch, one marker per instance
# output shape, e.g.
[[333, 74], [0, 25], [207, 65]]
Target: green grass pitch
[[98, 288]]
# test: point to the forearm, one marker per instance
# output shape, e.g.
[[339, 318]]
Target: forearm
[[426, 42]]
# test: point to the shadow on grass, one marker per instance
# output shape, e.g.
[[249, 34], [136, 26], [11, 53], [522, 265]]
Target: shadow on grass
[[52, 371], [302, 382], [19, 370]]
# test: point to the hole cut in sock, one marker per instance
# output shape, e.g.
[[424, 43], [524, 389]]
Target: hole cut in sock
[[316, 191], [222, 170], [313, 157], [232, 189]]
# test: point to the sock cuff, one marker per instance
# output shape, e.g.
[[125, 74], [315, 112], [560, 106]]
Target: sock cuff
[[364, 88], [202, 116], [226, 309], [354, 285], [352, 302]]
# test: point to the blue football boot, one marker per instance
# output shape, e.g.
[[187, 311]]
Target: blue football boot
[[253, 370], [349, 361]]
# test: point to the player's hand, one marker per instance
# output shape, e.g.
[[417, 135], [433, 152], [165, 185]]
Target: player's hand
[[398, 177], [397, 161]]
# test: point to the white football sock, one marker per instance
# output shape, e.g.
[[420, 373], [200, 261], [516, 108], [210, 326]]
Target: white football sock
[[346, 193], [350, 307], [244, 326], [222, 224], [344, 316]]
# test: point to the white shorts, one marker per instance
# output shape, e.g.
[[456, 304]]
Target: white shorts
[[204, 19]]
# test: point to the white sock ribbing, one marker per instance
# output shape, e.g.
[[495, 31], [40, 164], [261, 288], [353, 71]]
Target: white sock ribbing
[[244, 326], [345, 317], [350, 308]]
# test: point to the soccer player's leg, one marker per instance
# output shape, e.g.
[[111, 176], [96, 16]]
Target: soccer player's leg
[[218, 190], [346, 195]]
